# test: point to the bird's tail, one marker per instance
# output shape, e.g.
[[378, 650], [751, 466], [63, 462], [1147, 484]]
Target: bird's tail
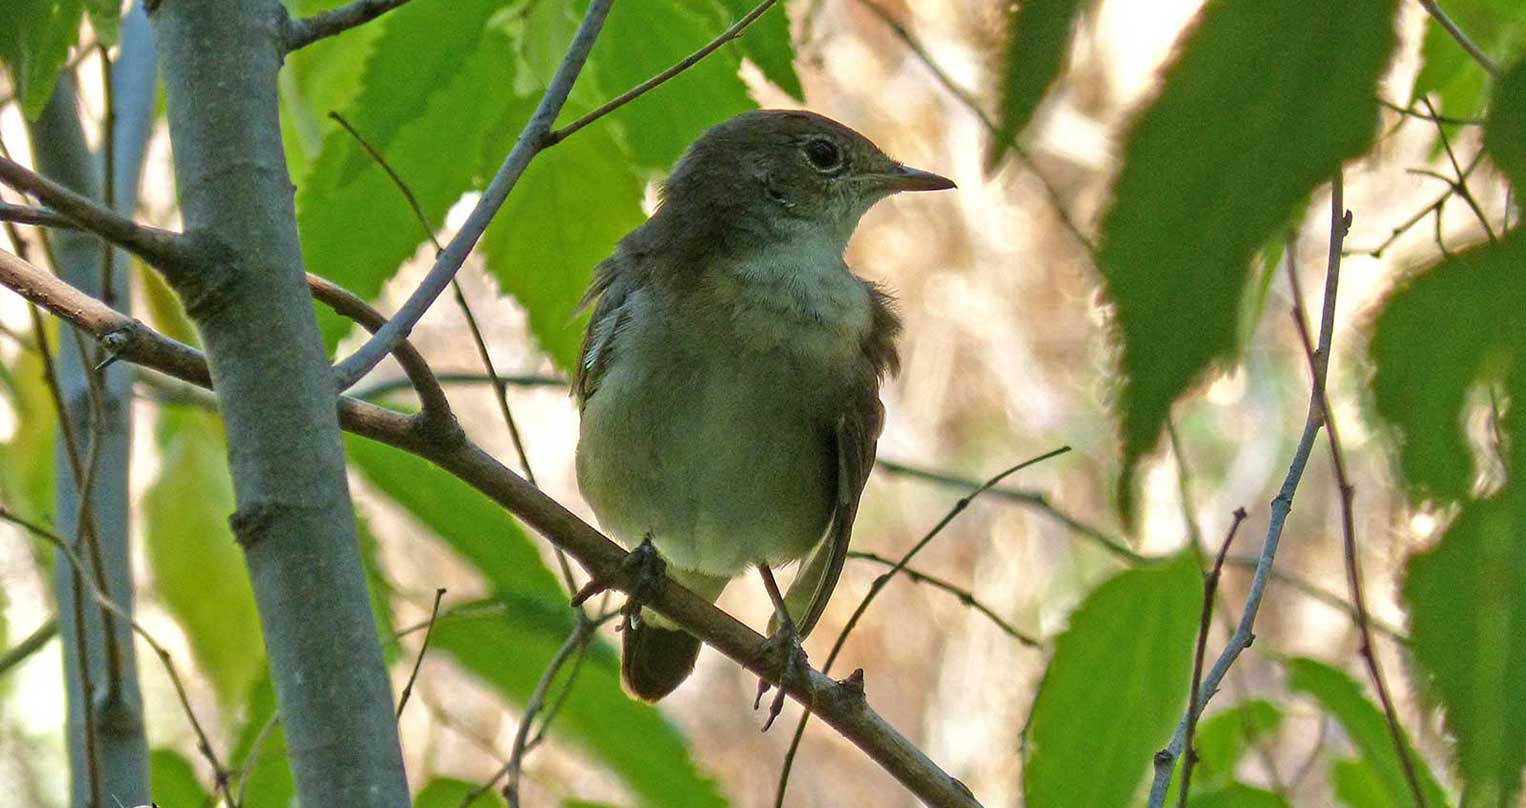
[[655, 660]]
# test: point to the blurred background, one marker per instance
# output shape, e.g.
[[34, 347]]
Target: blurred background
[[1006, 354]]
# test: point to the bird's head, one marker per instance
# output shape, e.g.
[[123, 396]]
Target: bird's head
[[788, 169]]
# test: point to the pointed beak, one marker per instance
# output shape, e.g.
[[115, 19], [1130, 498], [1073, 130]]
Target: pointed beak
[[905, 178]]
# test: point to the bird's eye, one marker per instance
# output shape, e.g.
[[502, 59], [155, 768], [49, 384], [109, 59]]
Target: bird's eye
[[824, 155]]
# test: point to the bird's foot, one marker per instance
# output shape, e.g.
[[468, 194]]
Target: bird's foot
[[783, 653], [647, 571]]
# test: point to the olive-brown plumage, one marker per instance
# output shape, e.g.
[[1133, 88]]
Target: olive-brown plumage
[[729, 378]]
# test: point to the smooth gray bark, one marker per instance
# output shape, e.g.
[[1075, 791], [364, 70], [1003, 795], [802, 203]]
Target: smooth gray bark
[[59, 145], [249, 299]]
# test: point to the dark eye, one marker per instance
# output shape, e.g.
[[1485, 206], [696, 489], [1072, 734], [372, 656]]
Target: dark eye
[[824, 155]]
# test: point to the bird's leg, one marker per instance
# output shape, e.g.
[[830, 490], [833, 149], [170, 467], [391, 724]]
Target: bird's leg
[[786, 642], [647, 571]]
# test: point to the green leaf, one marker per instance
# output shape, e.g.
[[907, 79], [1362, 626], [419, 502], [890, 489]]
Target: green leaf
[[35, 37], [197, 567], [476, 528], [1356, 784], [1124, 665], [1467, 603], [767, 43], [105, 20], [325, 75], [511, 652], [1214, 168], [448, 793], [1447, 72], [1505, 131], [357, 230], [379, 586], [1038, 41], [1425, 371], [631, 49], [173, 781], [1236, 796], [564, 217], [26, 460], [1221, 739], [1340, 696]]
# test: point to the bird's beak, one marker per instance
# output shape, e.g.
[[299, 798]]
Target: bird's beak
[[906, 178]]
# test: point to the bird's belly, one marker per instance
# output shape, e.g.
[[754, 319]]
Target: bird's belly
[[723, 464]]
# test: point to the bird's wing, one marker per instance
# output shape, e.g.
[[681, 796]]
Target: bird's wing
[[612, 282], [852, 444]]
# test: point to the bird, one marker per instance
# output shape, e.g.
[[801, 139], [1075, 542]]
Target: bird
[[728, 380]]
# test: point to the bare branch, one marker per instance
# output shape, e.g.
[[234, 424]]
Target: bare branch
[[841, 706], [964, 595], [299, 34], [1282, 504], [40, 217], [1210, 588], [532, 140], [1457, 33], [163, 249], [29, 645], [418, 662]]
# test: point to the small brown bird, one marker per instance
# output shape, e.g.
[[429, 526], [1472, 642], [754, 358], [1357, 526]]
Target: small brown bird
[[729, 379]]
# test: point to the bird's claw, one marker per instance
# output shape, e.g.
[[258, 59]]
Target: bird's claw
[[647, 571], [784, 648]]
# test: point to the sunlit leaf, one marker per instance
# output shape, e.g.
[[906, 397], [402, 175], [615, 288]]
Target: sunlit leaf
[[1447, 73], [1214, 168], [1235, 796], [1038, 40], [26, 459], [767, 44], [1124, 664], [357, 230], [1357, 785], [198, 569], [105, 20], [564, 217], [35, 37], [1425, 370], [260, 752], [510, 653], [1467, 603], [1222, 738], [173, 781], [1340, 696], [325, 75]]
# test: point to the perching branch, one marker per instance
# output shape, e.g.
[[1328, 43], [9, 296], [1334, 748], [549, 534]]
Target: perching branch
[[532, 140], [1282, 504], [39, 217], [299, 34], [841, 706]]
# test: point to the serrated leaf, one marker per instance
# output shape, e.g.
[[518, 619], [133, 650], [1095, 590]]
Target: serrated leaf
[[357, 232], [564, 217], [631, 49], [1426, 369], [1213, 168], [446, 792], [1125, 663], [1340, 696], [197, 567], [1236, 796], [35, 37], [1505, 131], [173, 781], [510, 653], [478, 530], [767, 43], [1467, 602], [1038, 39]]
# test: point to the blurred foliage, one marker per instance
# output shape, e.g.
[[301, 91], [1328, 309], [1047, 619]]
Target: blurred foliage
[[1261, 104], [1115, 688]]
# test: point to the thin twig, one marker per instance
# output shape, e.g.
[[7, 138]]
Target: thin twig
[[1419, 216], [1353, 569], [371, 392], [965, 596], [1461, 183], [1165, 759], [1457, 33], [1210, 589], [40, 217], [299, 34], [108, 169], [650, 84], [968, 100], [30, 644], [1451, 120], [532, 140], [840, 705], [874, 590], [418, 661]]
